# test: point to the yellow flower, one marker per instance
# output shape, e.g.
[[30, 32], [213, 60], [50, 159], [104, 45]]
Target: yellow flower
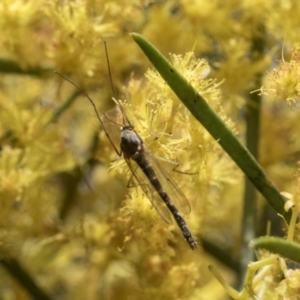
[[289, 288], [284, 81]]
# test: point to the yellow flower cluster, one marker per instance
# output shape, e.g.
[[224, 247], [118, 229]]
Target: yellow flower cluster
[[68, 219], [284, 80]]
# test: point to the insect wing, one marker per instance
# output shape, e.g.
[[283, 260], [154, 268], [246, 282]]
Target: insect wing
[[175, 194], [112, 122], [149, 190]]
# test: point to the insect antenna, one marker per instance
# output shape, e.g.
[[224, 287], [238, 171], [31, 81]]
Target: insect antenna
[[83, 92], [109, 72], [94, 106], [125, 120]]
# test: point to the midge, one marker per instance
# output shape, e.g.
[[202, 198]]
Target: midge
[[166, 197]]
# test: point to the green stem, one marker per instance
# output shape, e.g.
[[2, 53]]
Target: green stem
[[10, 66], [253, 109], [221, 254], [214, 125], [24, 278], [292, 227], [64, 107]]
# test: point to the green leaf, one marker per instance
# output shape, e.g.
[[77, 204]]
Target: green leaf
[[280, 246], [213, 124]]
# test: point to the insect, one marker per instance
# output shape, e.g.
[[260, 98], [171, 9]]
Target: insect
[[165, 196]]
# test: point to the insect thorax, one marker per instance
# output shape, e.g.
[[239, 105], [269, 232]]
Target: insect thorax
[[130, 142]]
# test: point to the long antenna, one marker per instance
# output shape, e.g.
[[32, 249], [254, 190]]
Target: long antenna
[[109, 71], [94, 106], [84, 93], [125, 120], [93, 103]]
